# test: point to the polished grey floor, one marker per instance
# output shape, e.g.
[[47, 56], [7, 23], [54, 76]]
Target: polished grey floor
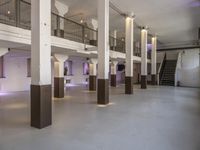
[[159, 118]]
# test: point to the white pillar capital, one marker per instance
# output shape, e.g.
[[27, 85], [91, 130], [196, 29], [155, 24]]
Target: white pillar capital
[[59, 64], [115, 63], [62, 8], [93, 67], [130, 15], [114, 67], [3, 51], [93, 23], [93, 61], [61, 57]]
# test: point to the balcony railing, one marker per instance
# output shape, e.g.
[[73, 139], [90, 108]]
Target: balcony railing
[[18, 13]]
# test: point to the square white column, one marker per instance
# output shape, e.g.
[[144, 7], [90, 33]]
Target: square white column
[[103, 52], [129, 55]]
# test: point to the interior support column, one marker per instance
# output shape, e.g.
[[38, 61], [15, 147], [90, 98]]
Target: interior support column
[[153, 61], [41, 96], [93, 75], [62, 10], [103, 52], [144, 58], [59, 85], [115, 39], [113, 81], [129, 55]]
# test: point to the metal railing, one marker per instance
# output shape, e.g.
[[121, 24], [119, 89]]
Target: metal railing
[[117, 44], [18, 13]]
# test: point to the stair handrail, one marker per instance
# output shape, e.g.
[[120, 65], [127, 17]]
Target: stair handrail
[[161, 68]]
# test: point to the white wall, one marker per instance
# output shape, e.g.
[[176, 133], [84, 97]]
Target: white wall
[[188, 70], [171, 55], [15, 71], [77, 71]]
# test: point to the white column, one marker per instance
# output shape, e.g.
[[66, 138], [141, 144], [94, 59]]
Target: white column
[[103, 51], [59, 81], [59, 65], [153, 60], [93, 74], [41, 101], [41, 42], [62, 10], [115, 38], [144, 58], [93, 23], [129, 55], [93, 67], [113, 77], [114, 67], [153, 56]]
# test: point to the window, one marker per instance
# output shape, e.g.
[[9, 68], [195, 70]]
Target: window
[[85, 68], [68, 68], [29, 67], [2, 67]]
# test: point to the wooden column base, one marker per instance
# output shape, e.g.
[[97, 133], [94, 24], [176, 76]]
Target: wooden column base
[[41, 106], [59, 87], [92, 83], [113, 82], [143, 82], [128, 85], [103, 91], [153, 79]]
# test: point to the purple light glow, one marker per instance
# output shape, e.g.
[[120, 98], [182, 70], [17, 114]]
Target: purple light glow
[[4, 94], [149, 47], [85, 68], [195, 4]]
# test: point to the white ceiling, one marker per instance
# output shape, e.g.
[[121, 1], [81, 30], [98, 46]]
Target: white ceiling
[[172, 20]]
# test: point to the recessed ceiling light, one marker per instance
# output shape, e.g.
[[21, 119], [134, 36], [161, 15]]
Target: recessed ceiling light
[[8, 12]]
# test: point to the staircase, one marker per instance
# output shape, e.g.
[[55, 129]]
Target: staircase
[[168, 72]]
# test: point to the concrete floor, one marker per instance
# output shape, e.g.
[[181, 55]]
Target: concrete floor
[[159, 118]]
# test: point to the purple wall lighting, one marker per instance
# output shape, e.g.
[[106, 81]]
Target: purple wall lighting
[[149, 47]]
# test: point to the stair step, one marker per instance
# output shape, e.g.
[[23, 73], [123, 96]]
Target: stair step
[[169, 73]]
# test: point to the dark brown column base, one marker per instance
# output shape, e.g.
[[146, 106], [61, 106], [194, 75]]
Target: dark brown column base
[[92, 83], [113, 82], [59, 33], [41, 106], [103, 91], [128, 85], [143, 82], [153, 79], [59, 87]]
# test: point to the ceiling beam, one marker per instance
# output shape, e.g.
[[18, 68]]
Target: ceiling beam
[[178, 48]]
